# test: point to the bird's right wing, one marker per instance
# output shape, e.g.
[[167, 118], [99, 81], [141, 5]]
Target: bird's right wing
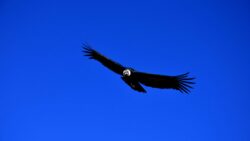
[[115, 67]]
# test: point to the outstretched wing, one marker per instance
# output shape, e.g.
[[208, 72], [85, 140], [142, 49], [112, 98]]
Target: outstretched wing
[[179, 82], [116, 67]]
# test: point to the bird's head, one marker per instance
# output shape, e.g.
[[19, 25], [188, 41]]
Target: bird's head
[[127, 72]]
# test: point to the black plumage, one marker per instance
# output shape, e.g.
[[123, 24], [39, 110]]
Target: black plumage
[[135, 78]]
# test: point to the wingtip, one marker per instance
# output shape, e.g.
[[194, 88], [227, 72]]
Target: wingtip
[[86, 47], [88, 51], [185, 83]]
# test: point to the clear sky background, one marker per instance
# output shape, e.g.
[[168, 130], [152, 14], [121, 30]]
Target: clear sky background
[[49, 91]]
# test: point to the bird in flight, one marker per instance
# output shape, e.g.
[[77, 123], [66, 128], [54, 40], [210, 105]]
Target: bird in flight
[[134, 78]]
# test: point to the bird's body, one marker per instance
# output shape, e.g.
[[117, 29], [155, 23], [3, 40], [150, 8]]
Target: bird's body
[[135, 78]]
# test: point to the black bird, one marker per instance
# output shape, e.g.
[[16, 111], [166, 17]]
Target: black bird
[[135, 78]]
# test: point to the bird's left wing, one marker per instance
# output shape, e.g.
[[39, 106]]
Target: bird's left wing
[[93, 54], [179, 82]]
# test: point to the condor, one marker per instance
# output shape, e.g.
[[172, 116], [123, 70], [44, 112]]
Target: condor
[[135, 78]]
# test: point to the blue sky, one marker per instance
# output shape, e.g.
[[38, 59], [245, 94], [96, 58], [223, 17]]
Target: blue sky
[[49, 91]]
